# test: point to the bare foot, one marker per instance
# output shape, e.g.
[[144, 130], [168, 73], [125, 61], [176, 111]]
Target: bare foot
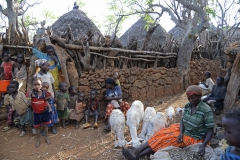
[[37, 144], [77, 126], [47, 141]]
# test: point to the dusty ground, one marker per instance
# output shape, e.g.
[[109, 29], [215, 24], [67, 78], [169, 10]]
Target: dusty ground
[[71, 143]]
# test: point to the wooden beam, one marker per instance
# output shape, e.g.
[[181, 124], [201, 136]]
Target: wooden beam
[[77, 47], [15, 46]]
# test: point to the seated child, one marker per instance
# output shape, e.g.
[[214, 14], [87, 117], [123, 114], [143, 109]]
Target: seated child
[[78, 113], [62, 100], [6, 66], [231, 125], [216, 98], [52, 109], [92, 109], [20, 72], [115, 77], [208, 84], [19, 102], [73, 97], [40, 109]]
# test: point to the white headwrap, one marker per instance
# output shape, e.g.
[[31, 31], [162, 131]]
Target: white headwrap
[[40, 62]]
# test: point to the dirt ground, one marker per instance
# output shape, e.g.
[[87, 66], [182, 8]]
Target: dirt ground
[[71, 143]]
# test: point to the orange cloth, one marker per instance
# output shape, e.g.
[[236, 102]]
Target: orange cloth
[[168, 137], [124, 106]]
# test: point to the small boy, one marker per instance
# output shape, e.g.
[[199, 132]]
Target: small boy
[[115, 77], [92, 109], [8, 106], [45, 87], [231, 125], [62, 100], [19, 102]]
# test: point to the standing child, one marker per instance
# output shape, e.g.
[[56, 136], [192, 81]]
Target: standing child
[[62, 100], [78, 113], [40, 109], [73, 97], [52, 109], [46, 76], [92, 109], [231, 125], [19, 102], [115, 77], [6, 66], [20, 72], [8, 106]]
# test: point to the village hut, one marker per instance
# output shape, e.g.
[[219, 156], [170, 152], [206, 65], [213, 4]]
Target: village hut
[[135, 36], [81, 26], [177, 32]]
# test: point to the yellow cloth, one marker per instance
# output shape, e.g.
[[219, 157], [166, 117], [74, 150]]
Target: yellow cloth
[[55, 74]]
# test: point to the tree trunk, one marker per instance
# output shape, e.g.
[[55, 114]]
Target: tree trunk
[[184, 56], [233, 85]]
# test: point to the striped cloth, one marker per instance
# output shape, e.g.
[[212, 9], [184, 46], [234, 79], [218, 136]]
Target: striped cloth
[[168, 137], [196, 124]]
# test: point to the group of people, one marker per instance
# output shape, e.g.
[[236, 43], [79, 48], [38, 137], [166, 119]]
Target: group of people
[[50, 101]]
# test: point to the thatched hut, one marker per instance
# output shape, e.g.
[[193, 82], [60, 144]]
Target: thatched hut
[[80, 25], [177, 32], [136, 34]]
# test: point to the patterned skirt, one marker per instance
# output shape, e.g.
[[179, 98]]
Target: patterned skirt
[[168, 137], [124, 106], [53, 114]]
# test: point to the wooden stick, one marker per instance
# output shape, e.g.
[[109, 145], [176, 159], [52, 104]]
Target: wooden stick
[[123, 57], [72, 46], [15, 46]]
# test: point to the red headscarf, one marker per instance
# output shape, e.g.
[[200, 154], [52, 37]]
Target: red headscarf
[[194, 90]]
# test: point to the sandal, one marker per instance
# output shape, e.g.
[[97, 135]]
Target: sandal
[[127, 154], [5, 129]]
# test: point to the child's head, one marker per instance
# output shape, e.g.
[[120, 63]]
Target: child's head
[[50, 50], [231, 125], [72, 90], [45, 86], [63, 86], [220, 80], [37, 84], [13, 87], [80, 96], [115, 75], [207, 74], [20, 57], [43, 64], [93, 94], [5, 56]]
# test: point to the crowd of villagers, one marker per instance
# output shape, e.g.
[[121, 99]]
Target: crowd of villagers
[[50, 102]]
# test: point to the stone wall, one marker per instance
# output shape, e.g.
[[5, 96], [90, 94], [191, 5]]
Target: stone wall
[[147, 84]]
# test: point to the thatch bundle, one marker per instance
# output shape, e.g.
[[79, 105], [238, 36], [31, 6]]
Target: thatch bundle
[[80, 25], [136, 35]]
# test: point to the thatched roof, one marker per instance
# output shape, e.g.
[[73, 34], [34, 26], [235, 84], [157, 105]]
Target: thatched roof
[[177, 32], [138, 32], [80, 25]]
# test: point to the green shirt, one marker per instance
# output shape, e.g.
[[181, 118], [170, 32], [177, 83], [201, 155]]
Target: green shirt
[[197, 124], [62, 100], [118, 82]]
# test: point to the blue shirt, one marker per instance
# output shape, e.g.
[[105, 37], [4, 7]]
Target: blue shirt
[[114, 92], [41, 55], [228, 155]]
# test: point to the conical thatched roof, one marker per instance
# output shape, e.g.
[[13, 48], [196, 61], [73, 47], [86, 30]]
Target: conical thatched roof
[[138, 32], [80, 25], [177, 32]]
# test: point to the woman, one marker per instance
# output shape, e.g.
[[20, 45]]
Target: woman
[[196, 127], [113, 96]]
